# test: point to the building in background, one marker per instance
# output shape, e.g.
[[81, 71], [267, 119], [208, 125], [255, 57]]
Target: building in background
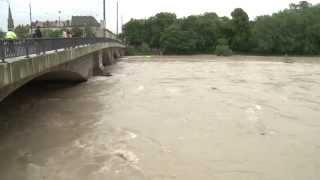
[[80, 26], [53, 25]]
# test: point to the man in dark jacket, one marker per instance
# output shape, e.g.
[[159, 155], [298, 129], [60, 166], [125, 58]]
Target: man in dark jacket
[[37, 33]]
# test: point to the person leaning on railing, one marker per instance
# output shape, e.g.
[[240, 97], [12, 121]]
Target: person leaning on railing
[[37, 35], [10, 37]]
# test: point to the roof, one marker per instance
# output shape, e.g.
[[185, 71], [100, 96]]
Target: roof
[[10, 20], [84, 21]]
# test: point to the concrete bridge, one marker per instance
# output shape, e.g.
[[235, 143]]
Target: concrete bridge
[[70, 64]]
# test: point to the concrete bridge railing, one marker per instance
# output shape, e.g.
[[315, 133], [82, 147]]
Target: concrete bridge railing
[[71, 64], [26, 47]]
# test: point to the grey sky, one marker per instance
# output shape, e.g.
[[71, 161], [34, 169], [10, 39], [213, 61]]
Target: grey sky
[[48, 9]]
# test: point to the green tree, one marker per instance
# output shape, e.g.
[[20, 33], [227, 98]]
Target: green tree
[[89, 32], [264, 36], [22, 31], [174, 40], [155, 26], [2, 34], [294, 30], [55, 33], [241, 30], [313, 39], [300, 5], [134, 32], [77, 32]]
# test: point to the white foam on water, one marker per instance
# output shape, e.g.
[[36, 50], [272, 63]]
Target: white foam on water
[[141, 88]]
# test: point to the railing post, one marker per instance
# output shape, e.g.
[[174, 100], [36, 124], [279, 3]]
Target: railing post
[[26, 45], [55, 45], [2, 51], [44, 46]]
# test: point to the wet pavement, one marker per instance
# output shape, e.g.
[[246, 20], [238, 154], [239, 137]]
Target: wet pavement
[[166, 118]]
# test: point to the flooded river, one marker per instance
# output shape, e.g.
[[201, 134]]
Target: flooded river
[[167, 118]]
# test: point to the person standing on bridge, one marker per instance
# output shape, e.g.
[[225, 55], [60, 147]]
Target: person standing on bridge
[[37, 33], [11, 37], [67, 34]]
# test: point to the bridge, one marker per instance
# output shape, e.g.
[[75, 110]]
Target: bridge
[[73, 59]]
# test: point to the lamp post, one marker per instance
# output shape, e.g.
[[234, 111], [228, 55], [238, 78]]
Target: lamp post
[[59, 19], [30, 18], [117, 18], [104, 19]]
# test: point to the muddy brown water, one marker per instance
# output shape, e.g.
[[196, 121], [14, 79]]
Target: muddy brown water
[[166, 118]]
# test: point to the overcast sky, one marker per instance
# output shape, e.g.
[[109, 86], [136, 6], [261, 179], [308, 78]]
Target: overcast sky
[[48, 9]]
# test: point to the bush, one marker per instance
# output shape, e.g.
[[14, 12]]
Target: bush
[[144, 47], [140, 51], [223, 50], [223, 41], [55, 33], [2, 34]]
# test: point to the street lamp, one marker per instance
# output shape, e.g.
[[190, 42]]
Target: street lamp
[[59, 19]]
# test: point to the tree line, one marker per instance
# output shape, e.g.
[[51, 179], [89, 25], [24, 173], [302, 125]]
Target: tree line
[[295, 30]]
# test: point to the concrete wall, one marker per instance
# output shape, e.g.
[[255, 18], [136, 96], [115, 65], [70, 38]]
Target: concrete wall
[[74, 64]]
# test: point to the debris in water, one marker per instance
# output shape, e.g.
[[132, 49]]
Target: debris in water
[[141, 88], [127, 156]]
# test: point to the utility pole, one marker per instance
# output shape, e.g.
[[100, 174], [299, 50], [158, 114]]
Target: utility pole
[[117, 18], [121, 24], [30, 18], [59, 17], [104, 18]]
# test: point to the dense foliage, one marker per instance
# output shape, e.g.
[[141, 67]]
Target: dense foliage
[[53, 33], [295, 30], [22, 31], [82, 32], [2, 34]]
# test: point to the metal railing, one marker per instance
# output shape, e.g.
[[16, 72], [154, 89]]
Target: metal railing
[[27, 47]]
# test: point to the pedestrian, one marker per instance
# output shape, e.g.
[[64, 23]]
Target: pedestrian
[[38, 33], [11, 37], [69, 34], [65, 34]]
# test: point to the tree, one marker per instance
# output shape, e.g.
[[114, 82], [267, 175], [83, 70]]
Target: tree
[[155, 26], [134, 32], [89, 32], [300, 5], [241, 30], [55, 33], [22, 31], [174, 40], [77, 32], [264, 35], [291, 31], [313, 39], [2, 34]]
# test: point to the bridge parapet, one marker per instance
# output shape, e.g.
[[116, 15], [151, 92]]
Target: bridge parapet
[[68, 64], [27, 47]]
